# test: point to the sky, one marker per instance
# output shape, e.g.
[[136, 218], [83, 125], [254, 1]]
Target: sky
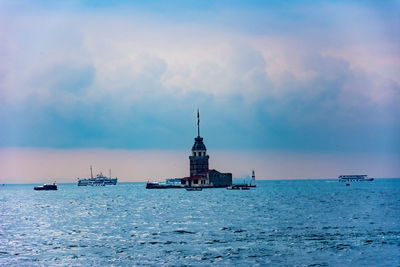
[[293, 89]]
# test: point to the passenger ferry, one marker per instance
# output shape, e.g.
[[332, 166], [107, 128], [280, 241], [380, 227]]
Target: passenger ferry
[[99, 180], [353, 177]]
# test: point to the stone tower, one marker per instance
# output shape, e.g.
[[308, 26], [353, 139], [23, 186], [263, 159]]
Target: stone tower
[[199, 157]]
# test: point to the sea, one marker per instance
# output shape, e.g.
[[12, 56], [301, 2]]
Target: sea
[[278, 223]]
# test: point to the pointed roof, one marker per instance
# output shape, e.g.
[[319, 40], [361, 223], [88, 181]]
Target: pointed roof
[[198, 144], [198, 141]]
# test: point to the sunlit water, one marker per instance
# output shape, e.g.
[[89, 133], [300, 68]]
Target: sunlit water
[[313, 222]]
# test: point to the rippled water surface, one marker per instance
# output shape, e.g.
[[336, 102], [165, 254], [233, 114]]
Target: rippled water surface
[[313, 222]]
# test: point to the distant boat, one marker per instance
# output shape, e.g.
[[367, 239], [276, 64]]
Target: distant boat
[[46, 187], [168, 184], [353, 177], [158, 185], [233, 187], [99, 180], [194, 189], [239, 187]]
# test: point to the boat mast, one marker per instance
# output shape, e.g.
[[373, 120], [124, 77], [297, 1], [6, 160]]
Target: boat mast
[[91, 172], [198, 123], [110, 173]]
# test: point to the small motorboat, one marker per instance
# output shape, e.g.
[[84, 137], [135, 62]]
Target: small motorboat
[[233, 187], [46, 187], [194, 189], [238, 187]]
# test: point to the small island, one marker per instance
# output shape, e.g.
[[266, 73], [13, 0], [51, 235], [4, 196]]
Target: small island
[[200, 174]]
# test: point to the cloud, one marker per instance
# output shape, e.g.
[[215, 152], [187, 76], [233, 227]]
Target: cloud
[[127, 77], [62, 80]]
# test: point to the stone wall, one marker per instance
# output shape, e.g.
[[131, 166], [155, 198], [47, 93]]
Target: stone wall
[[198, 164], [218, 179]]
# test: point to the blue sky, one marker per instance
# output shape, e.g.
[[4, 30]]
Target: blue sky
[[294, 76]]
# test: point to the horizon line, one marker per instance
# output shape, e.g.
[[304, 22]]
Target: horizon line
[[289, 179]]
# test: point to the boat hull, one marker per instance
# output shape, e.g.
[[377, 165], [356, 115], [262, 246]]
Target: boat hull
[[240, 187], [356, 180], [194, 189], [97, 182], [162, 186], [45, 188]]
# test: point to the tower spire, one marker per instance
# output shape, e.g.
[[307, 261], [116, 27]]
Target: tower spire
[[198, 123]]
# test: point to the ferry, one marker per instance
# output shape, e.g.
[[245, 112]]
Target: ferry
[[46, 187], [353, 177], [99, 180], [168, 184]]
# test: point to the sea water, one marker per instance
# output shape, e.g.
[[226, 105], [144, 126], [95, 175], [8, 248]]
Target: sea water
[[293, 223]]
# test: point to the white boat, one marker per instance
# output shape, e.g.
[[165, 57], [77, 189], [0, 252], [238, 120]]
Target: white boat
[[99, 180], [354, 177]]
